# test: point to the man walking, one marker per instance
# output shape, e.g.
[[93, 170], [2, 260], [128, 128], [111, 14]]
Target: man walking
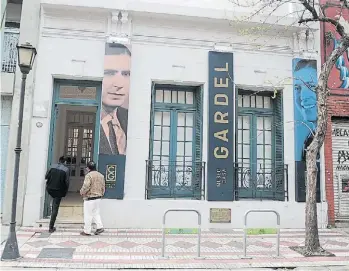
[[57, 186], [92, 191]]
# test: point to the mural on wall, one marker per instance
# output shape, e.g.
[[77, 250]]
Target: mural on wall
[[114, 115], [220, 174], [339, 77], [305, 118]]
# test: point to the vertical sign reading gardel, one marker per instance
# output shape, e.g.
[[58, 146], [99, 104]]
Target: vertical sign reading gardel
[[220, 128], [114, 115], [305, 119]]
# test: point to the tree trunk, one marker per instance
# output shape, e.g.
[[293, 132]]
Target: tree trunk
[[312, 242]]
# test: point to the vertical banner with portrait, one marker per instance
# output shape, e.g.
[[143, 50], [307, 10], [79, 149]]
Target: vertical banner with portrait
[[114, 117], [220, 164], [305, 120]]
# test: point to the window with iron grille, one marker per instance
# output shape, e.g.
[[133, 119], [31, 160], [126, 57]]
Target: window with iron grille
[[174, 168], [259, 165], [9, 50]]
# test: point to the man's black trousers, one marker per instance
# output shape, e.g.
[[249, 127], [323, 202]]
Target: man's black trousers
[[55, 206]]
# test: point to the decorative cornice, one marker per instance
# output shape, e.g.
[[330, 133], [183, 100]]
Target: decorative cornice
[[169, 41], [211, 12]]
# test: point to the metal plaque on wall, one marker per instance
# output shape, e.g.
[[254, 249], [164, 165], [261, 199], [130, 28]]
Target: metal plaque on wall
[[220, 215]]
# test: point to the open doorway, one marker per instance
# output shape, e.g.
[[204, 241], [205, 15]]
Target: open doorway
[[74, 137]]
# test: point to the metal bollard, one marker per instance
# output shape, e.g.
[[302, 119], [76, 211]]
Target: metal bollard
[[164, 227], [278, 229]]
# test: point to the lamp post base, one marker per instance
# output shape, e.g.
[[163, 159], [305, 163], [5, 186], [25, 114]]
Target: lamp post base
[[11, 251]]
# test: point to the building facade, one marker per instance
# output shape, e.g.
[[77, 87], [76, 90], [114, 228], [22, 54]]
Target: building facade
[[11, 10], [181, 105], [337, 137]]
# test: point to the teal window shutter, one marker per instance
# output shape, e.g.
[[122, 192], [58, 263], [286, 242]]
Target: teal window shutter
[[279, 148], [199, 167]]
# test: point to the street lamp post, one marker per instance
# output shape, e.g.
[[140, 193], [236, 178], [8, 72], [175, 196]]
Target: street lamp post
[[26, 57]]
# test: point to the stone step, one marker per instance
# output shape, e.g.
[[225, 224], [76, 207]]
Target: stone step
[[68, 217], [60, 224], [70, 213]]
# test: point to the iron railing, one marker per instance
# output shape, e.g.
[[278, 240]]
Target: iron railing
[[258, 182], [9, 53], [175, 179]]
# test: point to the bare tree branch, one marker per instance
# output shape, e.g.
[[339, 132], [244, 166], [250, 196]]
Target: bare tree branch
[[345, 3], [339, 28], [310, 8]]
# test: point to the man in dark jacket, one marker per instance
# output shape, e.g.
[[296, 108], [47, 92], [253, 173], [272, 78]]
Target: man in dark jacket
[[57, 186]]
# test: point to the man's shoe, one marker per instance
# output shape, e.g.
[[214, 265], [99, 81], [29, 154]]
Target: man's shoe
[[52, 230], [99, 231], [84, 234]]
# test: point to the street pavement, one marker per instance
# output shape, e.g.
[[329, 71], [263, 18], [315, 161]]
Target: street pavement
[[4, 233], [241, 269], [141, 249]]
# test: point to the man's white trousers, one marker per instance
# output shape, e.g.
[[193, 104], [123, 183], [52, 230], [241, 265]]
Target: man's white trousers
[[92, 214]]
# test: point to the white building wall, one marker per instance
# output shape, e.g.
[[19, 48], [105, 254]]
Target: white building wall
[[29, 31], [75, 51], [6, 103]]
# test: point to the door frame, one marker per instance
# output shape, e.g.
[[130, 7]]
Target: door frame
[[56, 100]]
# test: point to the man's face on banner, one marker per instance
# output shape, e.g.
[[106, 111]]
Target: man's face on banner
[[305, 86], [116, 81]]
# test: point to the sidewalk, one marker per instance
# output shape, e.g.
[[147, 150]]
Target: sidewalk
[[141, 249], [336, 268], [4, 233]]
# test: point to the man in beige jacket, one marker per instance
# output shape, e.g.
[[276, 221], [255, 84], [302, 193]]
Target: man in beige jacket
[[92, 191]]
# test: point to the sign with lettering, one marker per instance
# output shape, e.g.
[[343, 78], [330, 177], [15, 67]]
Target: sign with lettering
[[220, 173], [114, 175], [110, 176], [220, 215], [341, 148]]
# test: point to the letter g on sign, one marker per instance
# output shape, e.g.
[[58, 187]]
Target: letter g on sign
[[221, 152]]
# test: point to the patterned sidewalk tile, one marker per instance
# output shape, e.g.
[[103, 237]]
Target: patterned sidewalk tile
[[128, 248]]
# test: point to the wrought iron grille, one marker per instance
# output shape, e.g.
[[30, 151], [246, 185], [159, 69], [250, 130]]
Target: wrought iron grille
[[9, 54], [175, 179], [253, 182]]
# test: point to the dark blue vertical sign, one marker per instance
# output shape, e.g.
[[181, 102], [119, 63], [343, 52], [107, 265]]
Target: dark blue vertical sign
[[220, 173]]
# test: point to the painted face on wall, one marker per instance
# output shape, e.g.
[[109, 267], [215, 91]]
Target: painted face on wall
[[342, 67], [339, 76], [116, 81], [305, 91]]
